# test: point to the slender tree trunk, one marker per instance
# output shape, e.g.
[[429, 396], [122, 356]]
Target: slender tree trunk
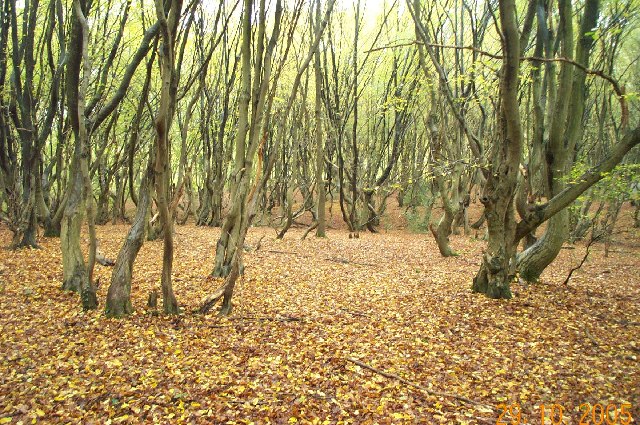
[[119, 294], [320, 188], [353, 214], [168, 28], [226, 246]]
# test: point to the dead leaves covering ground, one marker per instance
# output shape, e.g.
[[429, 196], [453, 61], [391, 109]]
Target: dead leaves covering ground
[[302, 310]]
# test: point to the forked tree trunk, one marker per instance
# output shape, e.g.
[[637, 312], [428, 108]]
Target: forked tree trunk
[[235, 224], [23, 107], [566, 130]]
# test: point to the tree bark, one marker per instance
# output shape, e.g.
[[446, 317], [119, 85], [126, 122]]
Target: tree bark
[[498, 262], [163, 120], [76, 274], [566, 130], [119, 294], [320, 188]]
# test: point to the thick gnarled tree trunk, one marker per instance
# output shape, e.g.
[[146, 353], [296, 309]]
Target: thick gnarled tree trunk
[[498, 262]]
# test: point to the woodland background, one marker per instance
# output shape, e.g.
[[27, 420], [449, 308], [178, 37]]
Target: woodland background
[[401, 210]]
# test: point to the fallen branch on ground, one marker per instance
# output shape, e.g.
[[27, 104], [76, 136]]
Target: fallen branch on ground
[[355, 313], [593, 341], [212, 299], [344, 261], [269, 319], [419, 387]]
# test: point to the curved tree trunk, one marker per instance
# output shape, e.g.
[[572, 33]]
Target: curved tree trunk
[[168, 28], [119, 294], [566, 130], [451, 207], [537, 257]]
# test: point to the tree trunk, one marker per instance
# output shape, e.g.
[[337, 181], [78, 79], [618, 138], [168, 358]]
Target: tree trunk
[[78, 276], [320, 189], [73, 265], [119, 294], [226, 246], [498, 262], [566, 130], [168, 28], [451, 207]]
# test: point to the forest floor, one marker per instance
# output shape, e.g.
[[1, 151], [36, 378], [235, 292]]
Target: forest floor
[[305, 313]]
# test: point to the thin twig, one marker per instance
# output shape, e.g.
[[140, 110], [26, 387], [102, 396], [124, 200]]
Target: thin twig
[[355, 313], [586, 254], [419, 387], [616, 86], [345, 261], [259, 244], [273, 251], [593, 341], [284, 318]]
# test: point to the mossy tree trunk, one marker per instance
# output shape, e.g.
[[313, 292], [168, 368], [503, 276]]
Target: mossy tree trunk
[[76, 274]]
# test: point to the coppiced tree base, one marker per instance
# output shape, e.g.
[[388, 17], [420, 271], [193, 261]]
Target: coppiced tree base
[[52, 229], [493, 279]]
